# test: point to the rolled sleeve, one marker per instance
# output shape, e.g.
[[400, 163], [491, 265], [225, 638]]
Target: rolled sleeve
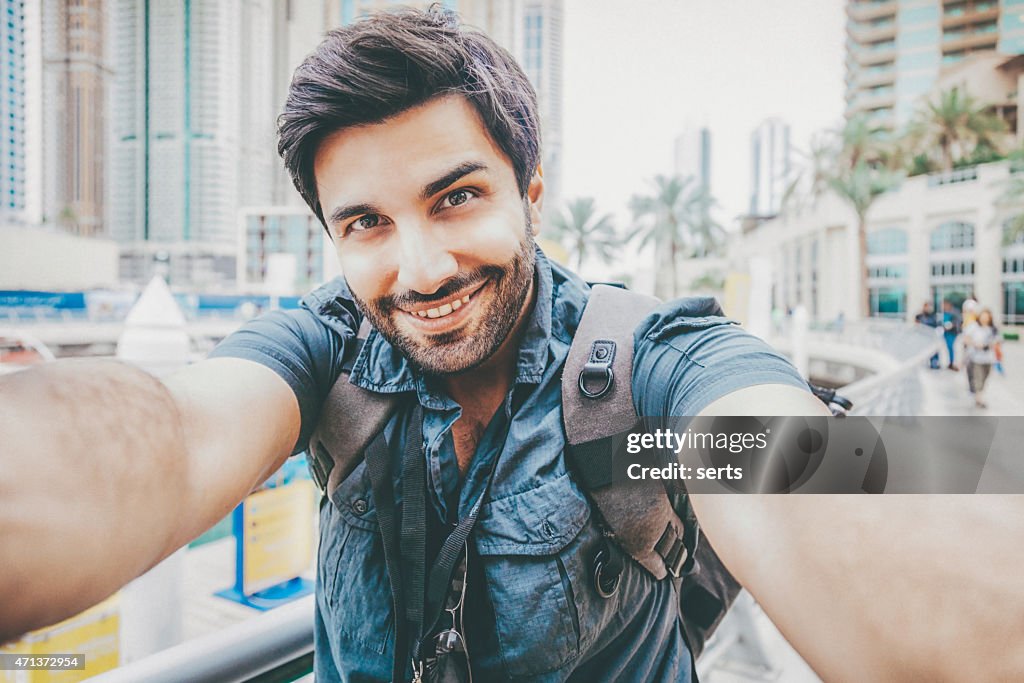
[[683, 363]]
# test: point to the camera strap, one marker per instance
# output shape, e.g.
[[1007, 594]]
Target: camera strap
[[418, 604]]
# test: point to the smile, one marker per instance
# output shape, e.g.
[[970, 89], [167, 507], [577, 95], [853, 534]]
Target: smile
[[446, 311]]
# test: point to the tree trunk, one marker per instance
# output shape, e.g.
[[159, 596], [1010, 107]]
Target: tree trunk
[[675, 282], [862, 267], [947, 157]]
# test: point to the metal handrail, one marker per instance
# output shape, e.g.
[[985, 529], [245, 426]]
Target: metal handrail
[[239, 653]]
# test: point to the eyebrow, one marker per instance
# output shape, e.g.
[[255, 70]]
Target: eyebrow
[[463, 169], [429, 190]]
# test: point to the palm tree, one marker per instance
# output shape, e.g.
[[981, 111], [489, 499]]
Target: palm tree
[[585, 232], [956, 125], [810, 181], [860, 186], [676, 218]]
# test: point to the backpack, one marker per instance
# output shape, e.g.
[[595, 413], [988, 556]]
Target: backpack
[[597, 405]]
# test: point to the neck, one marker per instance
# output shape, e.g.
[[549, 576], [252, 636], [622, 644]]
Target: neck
[[494, 376]]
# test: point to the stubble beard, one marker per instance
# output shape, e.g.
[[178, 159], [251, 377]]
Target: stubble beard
[[456, 351]]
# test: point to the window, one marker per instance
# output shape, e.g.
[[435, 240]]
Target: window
[[887, 241], [953, 235]]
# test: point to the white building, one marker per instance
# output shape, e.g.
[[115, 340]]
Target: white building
[[193, 132], [272, 235], [937, 237], [770, 163]]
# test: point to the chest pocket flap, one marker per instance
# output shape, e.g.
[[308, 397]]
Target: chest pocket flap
[[539, 521]]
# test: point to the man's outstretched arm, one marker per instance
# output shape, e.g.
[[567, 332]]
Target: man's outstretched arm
[[106, 471], [873, 588]]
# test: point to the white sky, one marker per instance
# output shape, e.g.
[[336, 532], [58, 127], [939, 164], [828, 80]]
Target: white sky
[[636, 72]]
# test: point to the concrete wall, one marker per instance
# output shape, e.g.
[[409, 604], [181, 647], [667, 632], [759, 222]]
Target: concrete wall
[[38, 258]]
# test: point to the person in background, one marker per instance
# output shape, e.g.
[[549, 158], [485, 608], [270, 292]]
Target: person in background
[[950, 330], [980, 339], [927, 317]]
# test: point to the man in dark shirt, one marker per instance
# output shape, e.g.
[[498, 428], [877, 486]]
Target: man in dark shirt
[[417, 143]]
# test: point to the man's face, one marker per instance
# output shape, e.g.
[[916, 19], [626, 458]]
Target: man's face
[[435, 242]]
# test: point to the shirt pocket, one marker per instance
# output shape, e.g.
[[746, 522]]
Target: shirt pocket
[[526, 542], [353, 591]]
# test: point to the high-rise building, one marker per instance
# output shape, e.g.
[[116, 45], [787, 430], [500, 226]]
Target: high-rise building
[[193, 132], [895, 49], [68, 91], [12, 112], [770, 164], [692, 155]]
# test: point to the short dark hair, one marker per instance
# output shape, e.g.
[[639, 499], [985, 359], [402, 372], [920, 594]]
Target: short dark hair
[[380, 66]]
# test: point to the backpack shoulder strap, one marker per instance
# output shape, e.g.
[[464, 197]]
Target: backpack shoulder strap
[[350, 418], [597, 405]]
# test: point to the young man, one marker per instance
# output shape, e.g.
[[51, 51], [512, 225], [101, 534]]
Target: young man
[[416, 142]]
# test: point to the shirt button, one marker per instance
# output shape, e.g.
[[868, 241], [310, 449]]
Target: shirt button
[[360, 507]]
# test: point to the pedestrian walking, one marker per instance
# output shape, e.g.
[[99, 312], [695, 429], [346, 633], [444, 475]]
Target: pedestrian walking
[[981, 343], [927, 318], [950, 330]]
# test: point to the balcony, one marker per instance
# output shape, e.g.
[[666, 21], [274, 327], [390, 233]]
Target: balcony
[[868, 100], [875, 54], [866, 10], [970, 39], [871, 33], [875, 76], [961, 15]]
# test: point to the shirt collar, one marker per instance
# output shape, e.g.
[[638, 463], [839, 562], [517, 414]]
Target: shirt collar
[[382, 368]]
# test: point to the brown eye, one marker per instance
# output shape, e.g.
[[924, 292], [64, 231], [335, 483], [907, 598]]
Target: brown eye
[[458, 197], [366, 222]]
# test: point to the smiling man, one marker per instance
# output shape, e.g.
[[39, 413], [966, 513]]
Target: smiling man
[[416, 142]]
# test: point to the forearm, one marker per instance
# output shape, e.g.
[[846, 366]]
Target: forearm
[[93, 470], [883, 587]]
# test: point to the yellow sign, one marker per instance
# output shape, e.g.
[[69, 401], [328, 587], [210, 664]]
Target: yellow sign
[[94, 633], [737, 297], [278, 535]]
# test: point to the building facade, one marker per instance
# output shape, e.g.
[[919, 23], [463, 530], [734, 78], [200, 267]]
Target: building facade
[[283, 250], [771, 166], [13, 171], [896, 49], [193, 132], [937, 237]]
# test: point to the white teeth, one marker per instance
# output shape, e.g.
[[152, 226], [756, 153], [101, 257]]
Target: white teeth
[[446, 309]]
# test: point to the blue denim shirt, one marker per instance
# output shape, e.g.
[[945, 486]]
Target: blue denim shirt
[[532, 611]]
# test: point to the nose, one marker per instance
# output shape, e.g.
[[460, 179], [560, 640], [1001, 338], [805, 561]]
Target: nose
[[424, 260]]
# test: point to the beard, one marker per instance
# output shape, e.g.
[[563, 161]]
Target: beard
[[462, 349]]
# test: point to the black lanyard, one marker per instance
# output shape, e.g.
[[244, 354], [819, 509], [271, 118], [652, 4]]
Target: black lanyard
[[415, 604]]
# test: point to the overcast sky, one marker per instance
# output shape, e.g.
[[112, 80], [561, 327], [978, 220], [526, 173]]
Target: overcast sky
[[636, 72]]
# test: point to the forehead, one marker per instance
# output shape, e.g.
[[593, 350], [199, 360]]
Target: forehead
[[366, 163]]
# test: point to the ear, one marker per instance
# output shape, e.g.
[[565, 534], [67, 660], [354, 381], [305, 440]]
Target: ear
[[535, 195]]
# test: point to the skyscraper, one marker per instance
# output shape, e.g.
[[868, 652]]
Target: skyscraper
[[692, 155], [70, 85], [895, 49], [770, 164], [193, 132], [12, 112]]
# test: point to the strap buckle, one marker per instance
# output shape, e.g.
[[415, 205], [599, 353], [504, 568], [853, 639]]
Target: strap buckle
[[320, 464], [672, 549]]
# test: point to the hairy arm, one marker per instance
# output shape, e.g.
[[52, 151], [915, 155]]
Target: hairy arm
[[911, 587], [106, 471]]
